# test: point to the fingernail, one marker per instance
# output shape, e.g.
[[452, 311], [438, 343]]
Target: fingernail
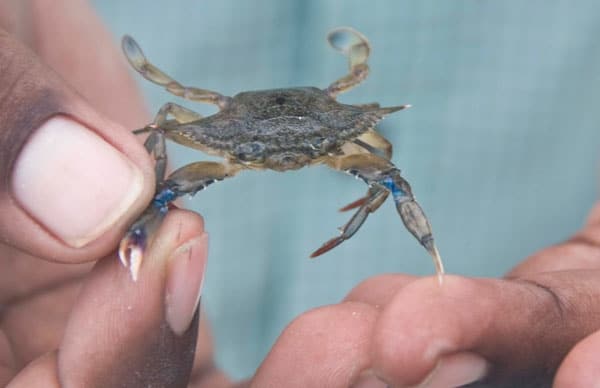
[[368, 379], [187, 265], [456, 370], [73, 182]]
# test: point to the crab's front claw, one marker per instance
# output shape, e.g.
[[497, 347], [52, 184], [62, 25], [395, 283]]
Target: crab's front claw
[[136, 240], [329, 245], [346, 232], [416, 222], [353, 205]]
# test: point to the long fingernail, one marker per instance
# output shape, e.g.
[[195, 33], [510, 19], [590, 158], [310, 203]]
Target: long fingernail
[[184, 282], [456, 370], [73, 182]]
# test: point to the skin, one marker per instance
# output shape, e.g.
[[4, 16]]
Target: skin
[[56, 313]]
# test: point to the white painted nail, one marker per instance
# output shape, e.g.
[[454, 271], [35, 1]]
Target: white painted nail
[[73, 182]]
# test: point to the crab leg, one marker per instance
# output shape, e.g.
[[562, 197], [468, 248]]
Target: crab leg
[[381, 174], [374, 143], [361, 201], [355, 46], [180, 114], [188, 179], [377, 196], [138, 61], [155, 143]]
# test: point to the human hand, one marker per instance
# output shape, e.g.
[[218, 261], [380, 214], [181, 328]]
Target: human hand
[[61, 322], [536, 327], [72, 181]]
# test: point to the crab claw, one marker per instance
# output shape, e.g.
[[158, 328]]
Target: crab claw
[[136, 240], [347, 230], [359, 202], [131, 251], [329, 245]]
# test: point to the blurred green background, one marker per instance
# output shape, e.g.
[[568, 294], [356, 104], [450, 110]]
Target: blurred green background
[[501, 145]]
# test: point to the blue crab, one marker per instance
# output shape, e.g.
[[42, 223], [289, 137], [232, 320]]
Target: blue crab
[[277, 129]]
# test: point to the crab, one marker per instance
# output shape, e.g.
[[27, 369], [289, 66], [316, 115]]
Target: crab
[[276, 129]]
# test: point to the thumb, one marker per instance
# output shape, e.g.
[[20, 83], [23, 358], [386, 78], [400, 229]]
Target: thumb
[[69, 178]]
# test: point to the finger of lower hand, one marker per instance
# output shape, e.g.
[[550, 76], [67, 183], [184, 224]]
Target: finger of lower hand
[[325, 347], [520, 330], [378, 290], [125, 333], [580, 367]]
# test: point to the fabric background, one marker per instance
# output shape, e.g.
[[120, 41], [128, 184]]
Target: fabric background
[[501, 146]]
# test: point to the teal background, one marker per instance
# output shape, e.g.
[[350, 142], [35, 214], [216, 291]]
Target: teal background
[[501, 146]]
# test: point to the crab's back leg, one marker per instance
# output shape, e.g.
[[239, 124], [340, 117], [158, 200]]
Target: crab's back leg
[[138, 61], [381, 175], [356, 48]]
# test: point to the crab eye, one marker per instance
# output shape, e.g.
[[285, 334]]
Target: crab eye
[[250, 151]]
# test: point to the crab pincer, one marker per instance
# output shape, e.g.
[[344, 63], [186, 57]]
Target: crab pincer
[[140, 233]]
